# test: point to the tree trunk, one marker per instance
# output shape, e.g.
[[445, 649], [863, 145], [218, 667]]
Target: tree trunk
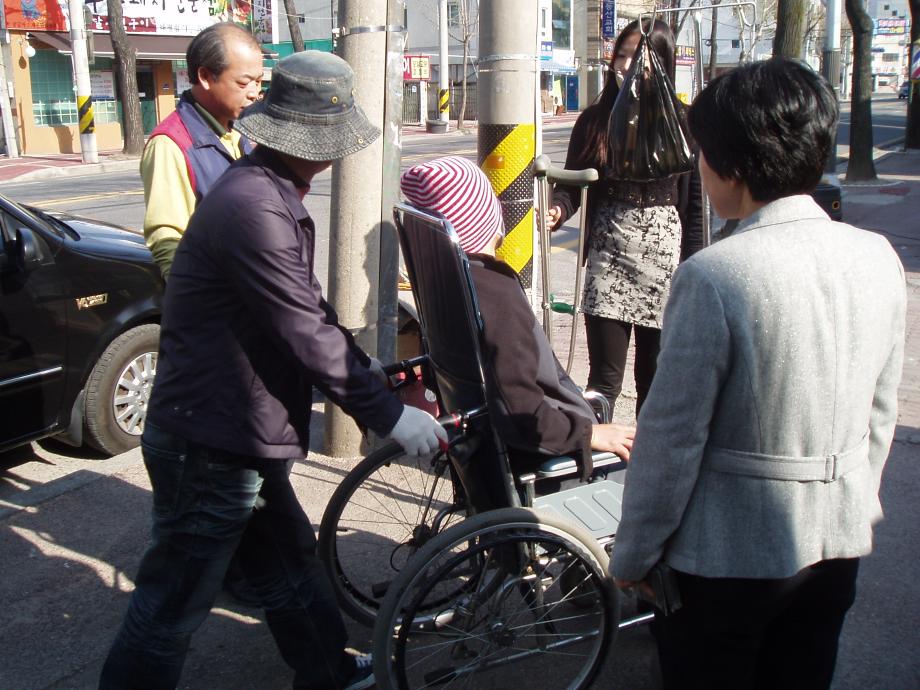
[[861, 167], [713, 47], [912, 133], [126, 71], [293, 20], [791, 22]]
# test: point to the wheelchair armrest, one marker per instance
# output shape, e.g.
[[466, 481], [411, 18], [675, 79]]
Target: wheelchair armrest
[[563, 465]]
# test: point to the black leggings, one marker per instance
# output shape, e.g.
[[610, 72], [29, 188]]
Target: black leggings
[[608, 343]]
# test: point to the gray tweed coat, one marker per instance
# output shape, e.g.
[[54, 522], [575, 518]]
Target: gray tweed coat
[[761, 445]]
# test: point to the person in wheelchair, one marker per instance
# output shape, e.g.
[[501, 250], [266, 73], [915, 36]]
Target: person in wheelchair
[[544, 412]]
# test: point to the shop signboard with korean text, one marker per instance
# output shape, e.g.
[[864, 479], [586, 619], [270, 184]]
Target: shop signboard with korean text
[[609, 19], [163, 17], [416, 68]]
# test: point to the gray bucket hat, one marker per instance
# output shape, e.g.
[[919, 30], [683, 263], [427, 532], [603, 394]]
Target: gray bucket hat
[[309, 111]]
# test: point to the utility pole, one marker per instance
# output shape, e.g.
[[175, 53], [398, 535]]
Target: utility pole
[[9, 131], [443, 64], [595, 52], [81, 80], [363, 254], [830, 65], [507, 129]]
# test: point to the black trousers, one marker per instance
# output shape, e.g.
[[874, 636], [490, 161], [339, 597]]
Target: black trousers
[[735, 634], [608, 344]]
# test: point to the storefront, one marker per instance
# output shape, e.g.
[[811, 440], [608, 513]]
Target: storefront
[[44, 103]]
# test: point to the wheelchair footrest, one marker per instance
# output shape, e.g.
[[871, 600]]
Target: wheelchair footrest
[[596, 506]]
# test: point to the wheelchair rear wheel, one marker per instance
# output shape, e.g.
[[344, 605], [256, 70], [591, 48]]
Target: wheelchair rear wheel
[[387, 507], [511, 610]]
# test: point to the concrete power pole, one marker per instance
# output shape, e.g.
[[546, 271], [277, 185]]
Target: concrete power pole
[[830, 68], [507, 120], [9, 129], [363, 254], [595, 52], [443, 64], [81, 80]]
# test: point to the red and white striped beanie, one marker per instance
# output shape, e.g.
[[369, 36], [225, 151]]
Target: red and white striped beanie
[[461, 192]]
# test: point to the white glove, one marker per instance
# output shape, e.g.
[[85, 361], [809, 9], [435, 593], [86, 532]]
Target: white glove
[[376, 368], [418, 432]]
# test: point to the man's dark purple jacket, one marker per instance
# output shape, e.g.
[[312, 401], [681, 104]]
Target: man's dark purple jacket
[[246, 333]]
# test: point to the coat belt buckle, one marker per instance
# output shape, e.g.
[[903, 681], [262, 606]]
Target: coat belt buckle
[[830, 468]]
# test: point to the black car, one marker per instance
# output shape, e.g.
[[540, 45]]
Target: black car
[[904, 91], [80, 305]]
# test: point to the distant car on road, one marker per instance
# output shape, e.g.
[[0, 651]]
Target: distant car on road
[[904, 90], [80, 305]]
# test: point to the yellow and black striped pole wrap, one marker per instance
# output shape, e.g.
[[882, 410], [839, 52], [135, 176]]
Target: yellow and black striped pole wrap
[[506, 154], [443, 100], [85, 111]]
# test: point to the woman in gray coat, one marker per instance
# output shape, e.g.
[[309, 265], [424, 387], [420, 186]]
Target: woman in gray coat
[[759, 451]]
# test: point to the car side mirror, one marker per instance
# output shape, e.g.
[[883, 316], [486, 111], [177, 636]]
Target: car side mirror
[[28, 251]]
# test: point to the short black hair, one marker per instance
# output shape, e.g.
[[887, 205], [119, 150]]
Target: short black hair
[[209, 48], [768, 124]]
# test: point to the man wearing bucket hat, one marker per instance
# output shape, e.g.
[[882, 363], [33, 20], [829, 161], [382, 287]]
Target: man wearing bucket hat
[[246, 336]]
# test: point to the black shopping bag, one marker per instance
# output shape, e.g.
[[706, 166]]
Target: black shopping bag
[[645, 131]]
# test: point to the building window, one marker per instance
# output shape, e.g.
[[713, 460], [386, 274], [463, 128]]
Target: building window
[[736, 43], [543, 18], [453, 14], [562, 24], [53, 100]]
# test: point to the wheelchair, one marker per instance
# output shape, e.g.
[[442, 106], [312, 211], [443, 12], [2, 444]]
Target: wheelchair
[[467, 566]]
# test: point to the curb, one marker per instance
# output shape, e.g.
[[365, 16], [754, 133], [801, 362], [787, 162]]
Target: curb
[[77, 170], [879, 151]]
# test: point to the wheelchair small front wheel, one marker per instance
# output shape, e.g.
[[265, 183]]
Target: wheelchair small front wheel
[[525, 595], [385, 509]]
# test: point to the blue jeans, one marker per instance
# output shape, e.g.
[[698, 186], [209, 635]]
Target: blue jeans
[[208, 504]]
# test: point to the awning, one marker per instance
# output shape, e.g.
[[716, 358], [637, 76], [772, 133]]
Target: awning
[[555, 67], [148, 47]]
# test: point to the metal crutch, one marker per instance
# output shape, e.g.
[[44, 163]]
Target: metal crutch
[[545, 172], [540, 167]]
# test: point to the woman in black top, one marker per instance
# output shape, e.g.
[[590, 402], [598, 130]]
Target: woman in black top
[[637, 233]]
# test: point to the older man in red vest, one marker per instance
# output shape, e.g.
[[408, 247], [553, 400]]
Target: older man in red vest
[[192, 147]]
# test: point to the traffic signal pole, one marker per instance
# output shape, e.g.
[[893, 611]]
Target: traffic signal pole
[[508, 58], [363, 253]]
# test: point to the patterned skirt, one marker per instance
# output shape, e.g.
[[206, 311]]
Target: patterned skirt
[[632, 255]]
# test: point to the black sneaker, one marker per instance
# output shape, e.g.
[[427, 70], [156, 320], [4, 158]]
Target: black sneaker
[[363, 677]]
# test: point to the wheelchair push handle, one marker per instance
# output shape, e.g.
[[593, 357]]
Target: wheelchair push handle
[[405, 365]]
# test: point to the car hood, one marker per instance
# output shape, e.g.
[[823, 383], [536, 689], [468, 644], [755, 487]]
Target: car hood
[[103, 239]]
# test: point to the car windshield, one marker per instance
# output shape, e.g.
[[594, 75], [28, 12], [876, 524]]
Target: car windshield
[[37, 215], [56, 223]]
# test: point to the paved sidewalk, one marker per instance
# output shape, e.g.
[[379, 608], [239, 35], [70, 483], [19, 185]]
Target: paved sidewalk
[[62, 165], [72, 550]]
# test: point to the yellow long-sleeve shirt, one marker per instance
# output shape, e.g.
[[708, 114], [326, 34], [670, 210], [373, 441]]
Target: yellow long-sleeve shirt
[[168, 194]]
